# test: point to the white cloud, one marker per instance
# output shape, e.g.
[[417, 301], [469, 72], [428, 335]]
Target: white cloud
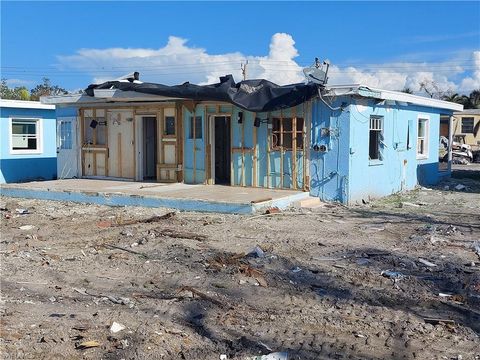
[[178, 62], [473, 82], [19, 82]]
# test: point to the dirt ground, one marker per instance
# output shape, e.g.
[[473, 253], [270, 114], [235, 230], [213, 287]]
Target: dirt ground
[[183, 288]]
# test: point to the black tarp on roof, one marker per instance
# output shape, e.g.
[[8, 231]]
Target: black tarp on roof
[[252, 95]]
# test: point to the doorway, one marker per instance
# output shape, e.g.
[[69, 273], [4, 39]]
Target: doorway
[[222, 149], [149, 147]]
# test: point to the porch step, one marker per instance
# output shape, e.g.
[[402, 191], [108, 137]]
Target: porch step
[[308, 203]]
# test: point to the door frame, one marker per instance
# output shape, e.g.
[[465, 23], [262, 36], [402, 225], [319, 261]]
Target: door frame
[[211, 142], [75, 136]]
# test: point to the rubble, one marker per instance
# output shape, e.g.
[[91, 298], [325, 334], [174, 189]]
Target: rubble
[[304, 282]]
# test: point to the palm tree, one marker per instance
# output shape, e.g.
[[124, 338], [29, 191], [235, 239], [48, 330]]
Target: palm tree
[[475, 99], [459, 99]]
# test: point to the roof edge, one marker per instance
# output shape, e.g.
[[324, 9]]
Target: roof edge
[[24, 104]]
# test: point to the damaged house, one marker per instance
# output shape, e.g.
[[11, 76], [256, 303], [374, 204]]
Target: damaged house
[[339, 143]]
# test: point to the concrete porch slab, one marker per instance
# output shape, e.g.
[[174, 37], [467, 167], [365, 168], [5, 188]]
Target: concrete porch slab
[[203, 198]]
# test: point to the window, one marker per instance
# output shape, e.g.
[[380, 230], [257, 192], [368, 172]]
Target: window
[[169, 128], [65, 135], [422, 138], [25, 136], [94, 127], [376, 138], [198, 128], [285, 131], [467, 125]]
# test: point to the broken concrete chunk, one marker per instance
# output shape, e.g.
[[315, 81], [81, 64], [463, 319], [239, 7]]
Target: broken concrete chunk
[[116, 327], [426, 262], [26, 227], [460, 187]]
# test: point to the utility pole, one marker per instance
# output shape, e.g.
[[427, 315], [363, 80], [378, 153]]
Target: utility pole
[[243, 67]]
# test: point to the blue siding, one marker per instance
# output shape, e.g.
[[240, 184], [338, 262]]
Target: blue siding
[[27, 167]]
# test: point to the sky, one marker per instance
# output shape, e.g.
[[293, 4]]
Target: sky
[[390, 45]]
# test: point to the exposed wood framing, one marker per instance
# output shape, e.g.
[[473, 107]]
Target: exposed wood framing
[[254, 158], [232, 178], [134, 143], [268, 153], [119, 154], [306, 145], [179, 129], [194, 121], [206, 146], [281, 149], [82, 138], [294, 148], [107, 152], [243, 182]]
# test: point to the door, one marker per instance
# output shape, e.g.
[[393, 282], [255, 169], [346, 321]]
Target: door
[[67, 165], [222, 150], [149, 147], [121, 159]]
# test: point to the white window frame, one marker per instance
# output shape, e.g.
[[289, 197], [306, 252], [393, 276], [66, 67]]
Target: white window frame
[[39, 134], [378, 122], [424, 154]]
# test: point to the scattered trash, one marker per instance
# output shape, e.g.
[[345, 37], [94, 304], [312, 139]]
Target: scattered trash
[[127, 233], [26, 227], [405, 203], [181, 235], [426, 262], [434, 321], [116, 327], [394, 275], [460, 187], [257, 252], [444, 295], [363, 261], [446, 187], [21, 211], [272, 356], [87, 345], [296, 269], [273, 210], [223, 357], [104, 224], [476, 248], [148, 220]]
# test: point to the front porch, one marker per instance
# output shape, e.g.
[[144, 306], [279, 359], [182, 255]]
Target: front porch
[[203, 198]]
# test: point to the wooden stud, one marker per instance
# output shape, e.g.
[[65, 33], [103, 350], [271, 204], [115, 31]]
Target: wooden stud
[[243, 182], [232, 173], [107, 155], [180, 137], [94, 136], [206, 148], [281, 149], [294, 148], [119, 154], [254, 157], [134, 144], [82, 138], [194, 145], [268, 154], [160, 137], [306, 130]]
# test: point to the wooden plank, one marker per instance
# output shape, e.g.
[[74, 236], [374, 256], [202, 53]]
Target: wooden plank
[[232, 179], [134, 144], [306, 145], [206, 140], [254, 157], [82, 141], [294, 148], [281, 149], [94, 134], [119, 154], [243, 153], [268, 154], [160, 136], [180, 137], [194, 145], [106, 143]]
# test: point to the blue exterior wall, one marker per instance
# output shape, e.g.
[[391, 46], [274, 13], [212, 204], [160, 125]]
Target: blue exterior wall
[[329, 170], [344, 172], [27, 167]]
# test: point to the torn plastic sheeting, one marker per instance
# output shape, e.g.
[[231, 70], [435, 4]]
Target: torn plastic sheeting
[[251, 95]]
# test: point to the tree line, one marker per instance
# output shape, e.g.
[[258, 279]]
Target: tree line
[[46, 88]]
